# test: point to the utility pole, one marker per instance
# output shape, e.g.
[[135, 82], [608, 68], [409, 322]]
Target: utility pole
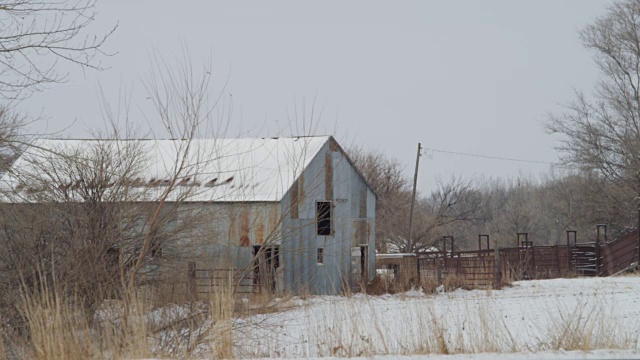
[[413, 197]]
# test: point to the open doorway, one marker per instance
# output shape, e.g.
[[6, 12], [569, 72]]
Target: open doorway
[[266, 261], [359, 266], [364, 263]]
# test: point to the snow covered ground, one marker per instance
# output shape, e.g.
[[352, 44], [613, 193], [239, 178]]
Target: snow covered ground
[[555, 319]]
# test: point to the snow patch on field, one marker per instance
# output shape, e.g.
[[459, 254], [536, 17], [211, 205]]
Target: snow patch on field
[[548, 317]]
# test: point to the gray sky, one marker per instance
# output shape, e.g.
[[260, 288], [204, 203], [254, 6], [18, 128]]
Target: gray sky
[[467, 76]]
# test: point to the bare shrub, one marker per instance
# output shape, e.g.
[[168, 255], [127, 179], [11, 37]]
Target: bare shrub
[[429, 285], [454, 281]]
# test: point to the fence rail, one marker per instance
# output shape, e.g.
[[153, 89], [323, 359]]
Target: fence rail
[[206, 281], [488, 267]]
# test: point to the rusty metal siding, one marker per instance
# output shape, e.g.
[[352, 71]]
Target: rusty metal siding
[[371, 219], [363, 201], [328, 177], [226, 239]]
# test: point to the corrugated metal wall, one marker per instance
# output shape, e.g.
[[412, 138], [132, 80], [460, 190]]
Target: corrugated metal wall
[[226, 233], [235, 228], [353, 227]]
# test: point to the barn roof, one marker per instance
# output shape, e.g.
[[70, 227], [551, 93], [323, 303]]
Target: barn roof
[[209, 170]]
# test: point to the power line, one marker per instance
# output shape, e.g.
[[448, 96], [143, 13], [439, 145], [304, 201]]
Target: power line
[[492, 157]]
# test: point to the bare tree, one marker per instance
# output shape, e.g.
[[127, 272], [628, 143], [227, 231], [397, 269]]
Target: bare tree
[[37, 34], [87, 217], [385, 175], [12, 136], [601, 135], [454, 203]]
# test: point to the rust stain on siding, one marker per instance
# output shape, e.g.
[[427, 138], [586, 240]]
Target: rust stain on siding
[[363, 201], [362, 232], [355, 225], [244, 227], [333, 145], [260, 232], [328, 177], [233, 233], [273, 222]]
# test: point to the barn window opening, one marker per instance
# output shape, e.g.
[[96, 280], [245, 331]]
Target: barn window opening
[[323, 218], [320, 256]]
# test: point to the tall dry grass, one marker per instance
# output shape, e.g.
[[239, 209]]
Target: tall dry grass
[[222, 308], [225, 326], [58, 327], [588, 327]]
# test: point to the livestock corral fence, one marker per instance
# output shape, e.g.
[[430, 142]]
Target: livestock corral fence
[[491, 267]]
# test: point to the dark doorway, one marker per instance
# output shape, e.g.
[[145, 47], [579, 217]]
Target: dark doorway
[[364, 263], [265, 262]]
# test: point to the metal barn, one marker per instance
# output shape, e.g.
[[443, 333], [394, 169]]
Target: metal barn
[[287, 214]]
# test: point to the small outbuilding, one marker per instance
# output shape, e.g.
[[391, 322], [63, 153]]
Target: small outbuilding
[[398, 268]]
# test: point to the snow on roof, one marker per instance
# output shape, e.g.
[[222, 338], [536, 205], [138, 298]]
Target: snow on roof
[[212, 170]]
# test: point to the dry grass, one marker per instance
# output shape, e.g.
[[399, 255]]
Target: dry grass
[[225, 326], [59, 328], [587, 327], [381, 285], [355, 326], [56, 329], [429, 284], [221, 312], [452, 282]]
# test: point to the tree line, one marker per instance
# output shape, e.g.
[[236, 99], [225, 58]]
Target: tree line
[[545, 207], [599, 145]]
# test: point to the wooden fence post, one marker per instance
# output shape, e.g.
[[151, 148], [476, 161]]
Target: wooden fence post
[[191, 280], [559, 274], [443, 268], [597, 246], [496, 252], [418, 267], [570, 248]]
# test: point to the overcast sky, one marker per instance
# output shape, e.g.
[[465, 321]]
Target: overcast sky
[[465, 76]]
